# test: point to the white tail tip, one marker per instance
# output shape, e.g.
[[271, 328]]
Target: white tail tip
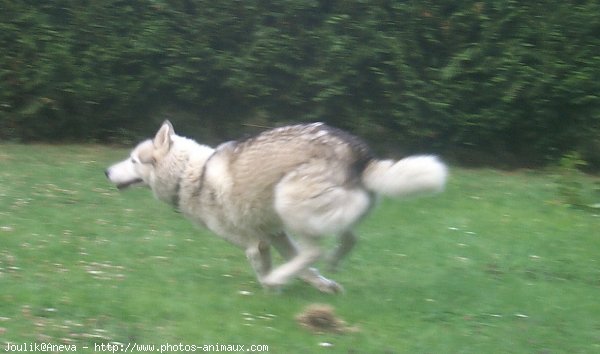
[[410, 176]]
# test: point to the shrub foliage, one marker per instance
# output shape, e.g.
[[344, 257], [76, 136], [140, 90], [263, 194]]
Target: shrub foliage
[[516, 81]]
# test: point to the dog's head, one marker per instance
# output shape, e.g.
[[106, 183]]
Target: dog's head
[[138, 169]]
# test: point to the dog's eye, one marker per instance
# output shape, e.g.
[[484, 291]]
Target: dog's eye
[[133, 161]]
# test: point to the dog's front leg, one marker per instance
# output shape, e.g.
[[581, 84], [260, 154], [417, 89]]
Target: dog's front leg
[[259, 256]]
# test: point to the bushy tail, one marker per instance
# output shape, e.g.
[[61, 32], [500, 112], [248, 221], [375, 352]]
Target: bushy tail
[[408, 177]]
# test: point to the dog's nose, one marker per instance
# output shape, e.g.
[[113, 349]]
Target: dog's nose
[[106, 173]]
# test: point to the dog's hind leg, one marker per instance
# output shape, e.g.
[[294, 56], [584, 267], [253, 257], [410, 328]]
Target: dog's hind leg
[[312, 201], [308, 253], [286, 247], [259, 256], [347, 240]]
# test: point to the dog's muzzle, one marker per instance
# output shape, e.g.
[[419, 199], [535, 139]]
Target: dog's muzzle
[[123, 185]]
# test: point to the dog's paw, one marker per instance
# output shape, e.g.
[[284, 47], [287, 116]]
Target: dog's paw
[[329, 286]]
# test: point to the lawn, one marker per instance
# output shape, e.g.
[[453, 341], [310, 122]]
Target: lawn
[[496, 264]]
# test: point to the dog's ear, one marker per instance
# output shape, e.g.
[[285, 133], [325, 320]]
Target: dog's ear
[[163, 139]]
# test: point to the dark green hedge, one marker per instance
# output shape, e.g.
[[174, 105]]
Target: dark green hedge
[[508, 81]]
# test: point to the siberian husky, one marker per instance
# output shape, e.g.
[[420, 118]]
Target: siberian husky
[[287, 187]]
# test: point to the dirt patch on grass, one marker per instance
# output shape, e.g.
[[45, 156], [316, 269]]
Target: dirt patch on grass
[[321, 318]]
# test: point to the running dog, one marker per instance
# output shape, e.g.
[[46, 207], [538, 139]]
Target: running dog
[[286, 187]]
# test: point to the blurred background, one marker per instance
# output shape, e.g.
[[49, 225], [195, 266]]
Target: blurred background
[[502, 83]]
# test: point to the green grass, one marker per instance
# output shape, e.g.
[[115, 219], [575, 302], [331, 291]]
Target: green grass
[[496, 264]]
